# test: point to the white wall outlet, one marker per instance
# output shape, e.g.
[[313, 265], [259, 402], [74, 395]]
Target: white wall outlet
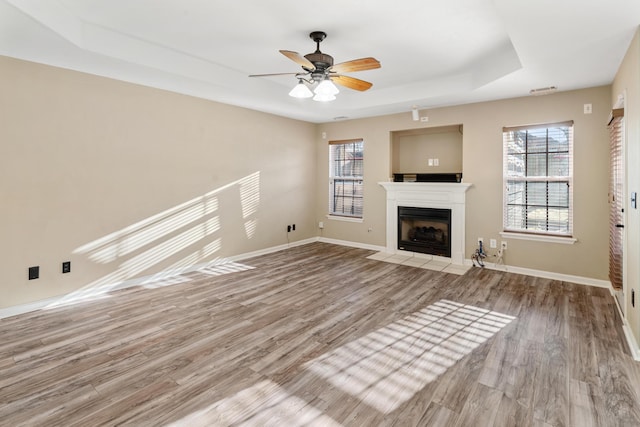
[[436, 162], [503, 245], [587, 108], [493, 243], [424, 119], [430, 162], [321, 224]]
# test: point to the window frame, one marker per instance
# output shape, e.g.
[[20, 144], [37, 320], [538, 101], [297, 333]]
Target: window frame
[[509, 178], [356, 181]]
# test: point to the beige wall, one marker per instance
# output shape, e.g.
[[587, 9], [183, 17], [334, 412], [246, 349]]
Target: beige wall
[[482, 166], [411, 150], [125, 181], [627, 83]]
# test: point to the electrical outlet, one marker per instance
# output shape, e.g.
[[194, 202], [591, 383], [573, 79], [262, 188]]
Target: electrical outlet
[[493, 243], [293, 227], [66, 267], [503, 245], [34, 272], [321, 225], [480, 240], [288, 229]]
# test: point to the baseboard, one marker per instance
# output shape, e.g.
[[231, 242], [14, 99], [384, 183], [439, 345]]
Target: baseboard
[[546, 274], [628, 334], [631, 340], [55, 301]]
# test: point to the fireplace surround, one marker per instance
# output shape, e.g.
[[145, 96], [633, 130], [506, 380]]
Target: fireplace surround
[[436, 195]]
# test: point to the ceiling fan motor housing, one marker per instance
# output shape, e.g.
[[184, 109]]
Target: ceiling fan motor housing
[[322, 61]]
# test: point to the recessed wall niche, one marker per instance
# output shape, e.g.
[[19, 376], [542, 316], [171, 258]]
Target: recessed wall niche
[[411, 150]]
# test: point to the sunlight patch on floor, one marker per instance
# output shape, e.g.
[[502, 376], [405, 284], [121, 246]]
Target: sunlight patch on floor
[[263, 404], [385, 368]]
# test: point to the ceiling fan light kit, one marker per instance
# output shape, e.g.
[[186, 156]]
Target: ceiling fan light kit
[[318, 69], [301, 90], [326, 87], [324, 98]]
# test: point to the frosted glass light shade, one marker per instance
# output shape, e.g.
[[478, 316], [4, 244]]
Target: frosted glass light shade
[[326, 87], [324, 98], [301, 91]]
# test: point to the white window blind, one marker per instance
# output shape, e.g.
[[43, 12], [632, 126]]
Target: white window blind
[[346, 173], [538, 179], [616, 197]]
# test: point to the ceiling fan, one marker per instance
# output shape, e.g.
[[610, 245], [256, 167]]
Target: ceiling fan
[[318, 68]]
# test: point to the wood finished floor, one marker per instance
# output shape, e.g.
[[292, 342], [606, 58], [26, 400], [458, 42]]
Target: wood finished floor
[[319, 335]]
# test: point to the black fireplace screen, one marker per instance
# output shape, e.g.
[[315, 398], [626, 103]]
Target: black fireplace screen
[[425, 230]]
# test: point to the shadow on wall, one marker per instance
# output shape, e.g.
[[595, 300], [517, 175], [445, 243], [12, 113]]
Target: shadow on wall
[[145, 244]]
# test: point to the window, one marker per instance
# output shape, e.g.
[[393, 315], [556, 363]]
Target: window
[[346, 169], [538, 179]]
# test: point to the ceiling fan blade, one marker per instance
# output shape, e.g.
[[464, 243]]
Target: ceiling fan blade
[[361, 64], [351, 83], [274, 74], [298, 59]]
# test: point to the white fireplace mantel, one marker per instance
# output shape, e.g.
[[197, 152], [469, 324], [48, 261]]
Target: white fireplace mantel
[[441, 195]]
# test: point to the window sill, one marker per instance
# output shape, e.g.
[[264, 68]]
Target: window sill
[[538, 237], [345, 218]]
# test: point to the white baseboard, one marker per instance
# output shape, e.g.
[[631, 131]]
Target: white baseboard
[[631, 340], [546, 274], [55, 301]]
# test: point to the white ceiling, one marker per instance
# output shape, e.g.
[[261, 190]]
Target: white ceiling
[[433, 53]]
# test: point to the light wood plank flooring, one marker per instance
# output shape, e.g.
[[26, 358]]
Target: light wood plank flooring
[[319, 335]]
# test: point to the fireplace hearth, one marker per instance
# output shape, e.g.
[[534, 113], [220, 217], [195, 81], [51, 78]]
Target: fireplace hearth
[[424, 230]]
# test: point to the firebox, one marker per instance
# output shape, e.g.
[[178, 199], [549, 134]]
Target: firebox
[[424, 230]]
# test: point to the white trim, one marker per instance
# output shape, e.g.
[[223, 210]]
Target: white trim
[[345, 218], [580, 280], [538, 237], [631, 339], [270, 250], [37, 305]]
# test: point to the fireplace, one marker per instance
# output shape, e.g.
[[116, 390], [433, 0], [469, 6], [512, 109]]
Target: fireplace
[[425, 230], [436, 195]]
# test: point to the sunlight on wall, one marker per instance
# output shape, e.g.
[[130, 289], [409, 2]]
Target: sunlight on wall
[[133, 237], [250, 200], [153, 240], [387, 367], [263, 404]]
